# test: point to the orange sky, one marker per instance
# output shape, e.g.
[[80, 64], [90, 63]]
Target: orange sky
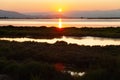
[[53, 5]]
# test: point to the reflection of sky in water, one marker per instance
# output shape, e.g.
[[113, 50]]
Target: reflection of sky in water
[[75, 74], [92, 41], [62, 22]]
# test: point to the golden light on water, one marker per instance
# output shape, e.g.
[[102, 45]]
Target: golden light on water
[[89, 41], [60, 20], [60, 23]]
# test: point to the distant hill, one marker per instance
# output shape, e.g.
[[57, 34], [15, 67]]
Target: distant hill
[[96, 13], [12, 14], [71, 14], [78, 14], [43, 14]]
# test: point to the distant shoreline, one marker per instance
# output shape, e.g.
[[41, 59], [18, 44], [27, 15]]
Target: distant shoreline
[[69, 18]]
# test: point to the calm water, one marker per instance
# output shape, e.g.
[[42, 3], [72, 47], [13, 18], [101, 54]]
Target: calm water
[[66, 23], [62, 22], [91, 41]]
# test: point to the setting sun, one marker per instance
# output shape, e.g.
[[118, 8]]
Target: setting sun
[[60, 10]]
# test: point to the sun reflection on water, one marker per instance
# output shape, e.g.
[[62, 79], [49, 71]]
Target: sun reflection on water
[[60, 23]]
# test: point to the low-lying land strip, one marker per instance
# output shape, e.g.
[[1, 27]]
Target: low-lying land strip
[[52, 32]]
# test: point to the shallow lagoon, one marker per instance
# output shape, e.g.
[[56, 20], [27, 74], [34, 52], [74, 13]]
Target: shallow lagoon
[[89, 41]]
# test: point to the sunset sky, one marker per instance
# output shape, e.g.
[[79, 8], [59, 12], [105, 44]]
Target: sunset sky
[[54, 5]]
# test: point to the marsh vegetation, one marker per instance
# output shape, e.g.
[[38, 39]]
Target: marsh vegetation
[[44, 61], [32, 60], [52, 32]]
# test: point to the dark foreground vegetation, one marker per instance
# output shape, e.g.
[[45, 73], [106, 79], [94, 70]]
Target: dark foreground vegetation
[[37, 61], [52, 32]]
